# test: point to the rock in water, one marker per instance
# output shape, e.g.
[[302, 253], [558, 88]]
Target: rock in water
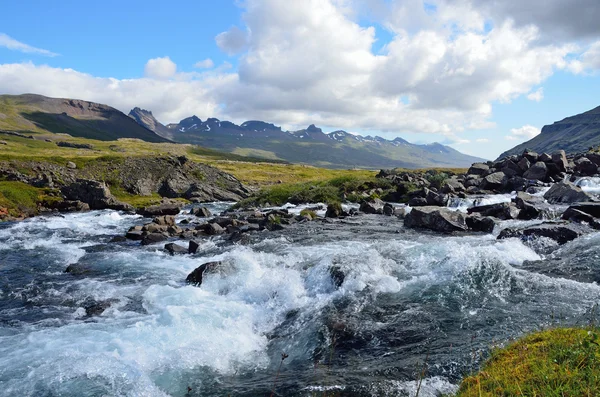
[[201, 212], [560, 232], [566, 193], [374, 206], [436, 218], [195, 277], [161, 209], [592, 209], [173, 249], [334, 210], [484, 224], [153, 238]]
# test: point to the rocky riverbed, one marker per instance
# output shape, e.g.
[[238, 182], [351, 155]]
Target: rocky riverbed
[[359, 302]]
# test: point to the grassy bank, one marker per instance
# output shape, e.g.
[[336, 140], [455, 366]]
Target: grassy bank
[[557, 362]]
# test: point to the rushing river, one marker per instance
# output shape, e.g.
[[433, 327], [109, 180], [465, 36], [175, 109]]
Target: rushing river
[[411, 303]]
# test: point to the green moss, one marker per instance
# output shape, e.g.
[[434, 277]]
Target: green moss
[[136, 201], [307, 212], [20, 198], [557, 362]]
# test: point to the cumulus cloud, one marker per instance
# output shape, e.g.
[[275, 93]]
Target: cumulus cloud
[[311, 61], [160, 68], [204, 64], [482, 140], [8, 42], [232, 41], [536, 95], [525, 132]]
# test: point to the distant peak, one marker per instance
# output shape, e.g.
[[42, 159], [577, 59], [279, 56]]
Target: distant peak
[[313, 128]]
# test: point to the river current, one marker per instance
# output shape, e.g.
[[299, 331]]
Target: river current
[[415, 310]]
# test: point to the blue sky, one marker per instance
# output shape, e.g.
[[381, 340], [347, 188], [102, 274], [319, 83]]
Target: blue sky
[[464, 73]]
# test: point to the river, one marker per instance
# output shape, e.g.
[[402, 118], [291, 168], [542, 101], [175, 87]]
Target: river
[[414, 307]]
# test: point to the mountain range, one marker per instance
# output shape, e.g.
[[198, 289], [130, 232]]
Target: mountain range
[[337, 149], [573, 134]]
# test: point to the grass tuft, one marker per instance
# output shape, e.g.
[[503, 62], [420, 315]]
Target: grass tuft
[[556, 362]]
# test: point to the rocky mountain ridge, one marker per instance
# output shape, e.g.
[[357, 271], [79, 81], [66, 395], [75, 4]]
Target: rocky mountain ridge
[[36, 113], [575, 134], [337, 149]]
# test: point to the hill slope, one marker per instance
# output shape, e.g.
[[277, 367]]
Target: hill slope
[[573, 135], [338, 149], [37, 113]]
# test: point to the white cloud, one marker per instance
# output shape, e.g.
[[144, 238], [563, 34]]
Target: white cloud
[[204, 64], [232, 41], [482, 140], [8, 42], [304, 62], [525, 132], [160, 68], [536, 95], [589, 61]]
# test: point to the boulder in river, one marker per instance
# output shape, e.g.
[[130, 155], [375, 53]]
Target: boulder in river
[[591, 208], [334, 210], [435, 218], [498, 210], [173, 249], [153, 238], [195, 277], [478, 169], [161, 209], [484, 224], [201, 212], [532, 207], [374, 206], [560, 232], [494, 181], [537, 171], [566, 193], [560, 159]]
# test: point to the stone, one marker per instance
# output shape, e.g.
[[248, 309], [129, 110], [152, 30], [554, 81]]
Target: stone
[[484, 224], [531, 156], [164, 220], [578, 216], [160, 209], [118, 239], [195, 277], [537, 171], [560, 232], [438, 199], [566, 193], [135, 235], [532, 207], [3, 143], [524, 164], [585, 166], [374, 206], [478, 169], [78, 269], [193, 246], [545, 157], [337, 276], [590, 208], [493, 181], [334, 210], [417, 202], [94, 308], [75, 145], [435, 218], [153, 238], [173, 249], [560, 159], [96, 194], [214, 228], [201, 212], [388, 209], [71, 165], [498, 210], [511, 169]]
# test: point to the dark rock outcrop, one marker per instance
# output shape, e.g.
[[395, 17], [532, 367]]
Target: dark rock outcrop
[[374, 206], [161, 209], [195, 277], [566, 193], [95, 194], [435, 218], [560, 232]]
